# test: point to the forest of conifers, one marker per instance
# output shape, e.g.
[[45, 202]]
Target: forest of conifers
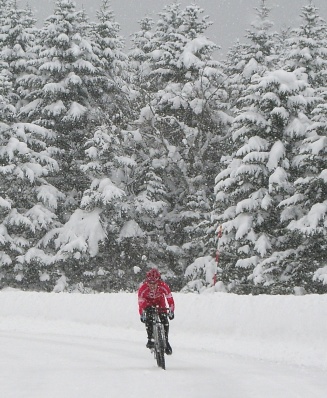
[[114, 160]]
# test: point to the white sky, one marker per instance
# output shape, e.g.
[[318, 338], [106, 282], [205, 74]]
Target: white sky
[[227, 346], [230, 17]]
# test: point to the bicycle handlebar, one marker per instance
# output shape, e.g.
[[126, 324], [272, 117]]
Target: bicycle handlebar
[[159, 309]]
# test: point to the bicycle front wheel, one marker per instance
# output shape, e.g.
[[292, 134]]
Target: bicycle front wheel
[[160, 347]]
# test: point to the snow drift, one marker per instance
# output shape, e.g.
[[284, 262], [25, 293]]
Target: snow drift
[[289, 329]]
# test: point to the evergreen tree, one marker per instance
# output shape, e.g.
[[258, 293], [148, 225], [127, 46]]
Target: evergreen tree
[[183, 121], [63, 95], [139, 64], [258, 177], [27, 200], [128, 193], [110, 171], [17, 37], [306, 209], [80, 251], [258, 55], [112, 79], [244, 61], [307, 47]]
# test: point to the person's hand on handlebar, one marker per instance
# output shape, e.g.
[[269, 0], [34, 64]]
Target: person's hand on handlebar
[[143, 317]]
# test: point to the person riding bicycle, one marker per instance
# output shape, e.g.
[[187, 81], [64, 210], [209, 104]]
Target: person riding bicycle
[[155, 292]]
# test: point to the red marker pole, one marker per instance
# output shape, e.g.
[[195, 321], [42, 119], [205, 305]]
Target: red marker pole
[[219, 235]]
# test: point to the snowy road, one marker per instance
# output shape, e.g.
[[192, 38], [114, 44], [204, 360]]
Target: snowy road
[[65, 360]]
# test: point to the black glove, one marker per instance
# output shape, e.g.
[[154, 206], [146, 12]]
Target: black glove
[[171, 315], [143, 317]]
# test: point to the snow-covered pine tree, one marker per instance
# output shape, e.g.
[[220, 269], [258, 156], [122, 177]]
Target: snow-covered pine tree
[[7, 114], [27, 200], [256, 55], [17, 37], [149, 187], [63, 95], [139, 65], [258, 176], [148, 199], [112, 84], [79, 249], [306, 209], [87, 243], [244, 60], [183, 120], [127, 193], [141, 45], [307, 47]]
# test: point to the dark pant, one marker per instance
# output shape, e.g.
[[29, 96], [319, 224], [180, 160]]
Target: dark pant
[[149, 324]]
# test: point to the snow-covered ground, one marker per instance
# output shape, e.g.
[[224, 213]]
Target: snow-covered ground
[[226, 346]]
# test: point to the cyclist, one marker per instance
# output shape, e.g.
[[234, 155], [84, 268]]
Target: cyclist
[[155, 292]]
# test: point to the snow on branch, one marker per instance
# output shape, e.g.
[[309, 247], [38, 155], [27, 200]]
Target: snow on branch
[[4, 236], [33, 170], [14, 145], [31, 106], [55, 88], [323, 175], [85, 65], [293, 200], [202, 267], [81, 234], [247, 262], [5, 204], [243, 225], [131, 229], [35, 255], [40, 216], [5, 259], [250, 68], [143, 203], [277, 152], [287, 82], [298, 127], [246, 205], [53, 66], [254, 144], [189, 57], [49, 195], [313, 222], [76, 111], [55, 109], [262, 245], [278, 179], [106, 190], [315, 145], [16, 219], [252, 117], [321, 275]]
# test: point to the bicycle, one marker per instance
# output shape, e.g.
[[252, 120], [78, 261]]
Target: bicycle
[[159, 337]]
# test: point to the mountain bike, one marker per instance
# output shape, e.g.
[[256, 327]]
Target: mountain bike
[[159, 337]]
